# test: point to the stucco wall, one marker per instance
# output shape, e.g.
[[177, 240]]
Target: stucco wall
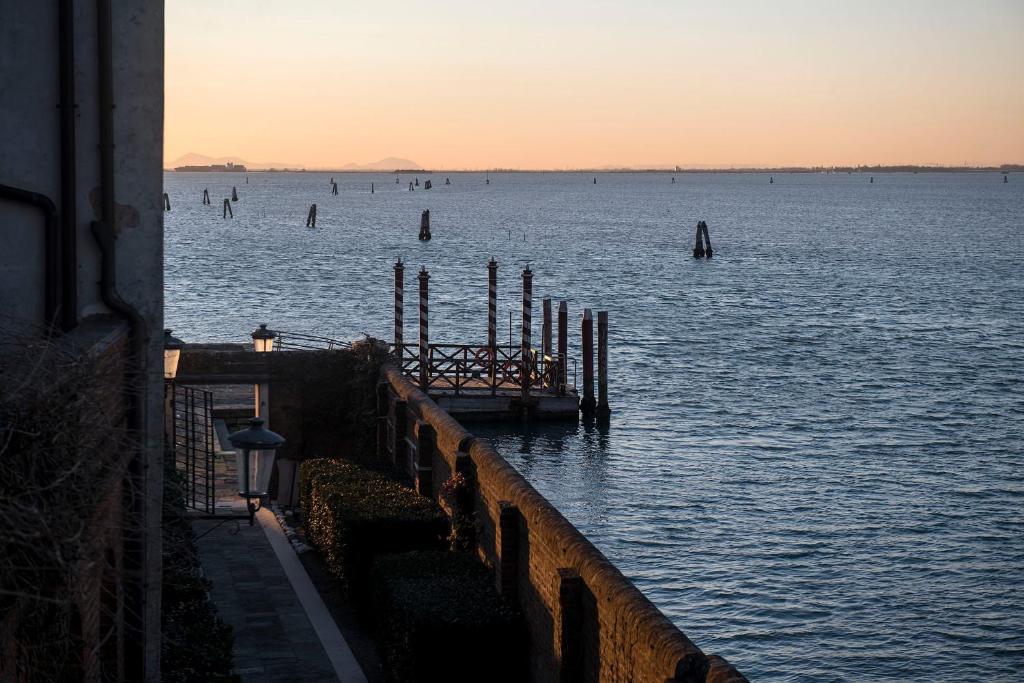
[[30, 157]]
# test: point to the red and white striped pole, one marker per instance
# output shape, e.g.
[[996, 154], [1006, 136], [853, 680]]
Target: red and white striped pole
[[527, 330], [587, 402], [602, 364], [424, 341], [399, 303], [492, 317], [563, 347]]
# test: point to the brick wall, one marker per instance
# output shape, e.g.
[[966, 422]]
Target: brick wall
[[586, 621]]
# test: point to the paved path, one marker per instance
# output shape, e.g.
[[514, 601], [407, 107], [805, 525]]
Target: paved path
[[283, 632]]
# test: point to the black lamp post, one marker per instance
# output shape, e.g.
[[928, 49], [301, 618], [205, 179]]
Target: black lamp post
[[263, 339], [172, 353], [255, 462]]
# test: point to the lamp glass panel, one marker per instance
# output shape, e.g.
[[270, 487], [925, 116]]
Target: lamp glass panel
[[261, 465], [171, 357]]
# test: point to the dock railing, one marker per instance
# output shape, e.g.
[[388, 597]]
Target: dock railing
[[460, 368], [297, 341]]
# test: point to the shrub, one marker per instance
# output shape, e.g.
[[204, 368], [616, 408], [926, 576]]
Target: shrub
[[439, 617], [195, 642], [352, 514]]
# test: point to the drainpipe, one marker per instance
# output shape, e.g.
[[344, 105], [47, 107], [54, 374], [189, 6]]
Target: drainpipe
[[51, 248], [103, 231], [68, 200]]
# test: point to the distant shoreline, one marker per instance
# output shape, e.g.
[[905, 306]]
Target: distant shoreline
[[1004, 168]]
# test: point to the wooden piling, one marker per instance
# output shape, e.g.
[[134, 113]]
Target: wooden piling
[[206, 196], [167, 202], [371, 188], [698, 245], [424, 278], [545, 330], [425, 225], [399, 304], [563, 347], [707, 239], [311, 216], [492, 319], [602, 364], [527, 330], [234, 194], [334, 187], [227, 209], [587, 402]]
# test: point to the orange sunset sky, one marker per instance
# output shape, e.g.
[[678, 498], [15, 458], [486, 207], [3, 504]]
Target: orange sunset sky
[[573, 84]]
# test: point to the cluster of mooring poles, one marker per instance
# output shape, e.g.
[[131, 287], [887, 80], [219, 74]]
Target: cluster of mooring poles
[[557, 358], [425, 225], [702, 246]]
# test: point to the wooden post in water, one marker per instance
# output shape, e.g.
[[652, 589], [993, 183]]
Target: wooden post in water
[[371, 188], [311, 217], [587, 402], [167, 202], [424, 341], [707, 239], [563, 347], [399, 303], [334, 187], [698, 245], [545, 332], [234, 194], [206, 196], [602, 364], [492, 319], [527, 331], [425, 225], [227, 209]]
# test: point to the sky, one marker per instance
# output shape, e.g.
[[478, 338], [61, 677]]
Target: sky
[[464, 84]]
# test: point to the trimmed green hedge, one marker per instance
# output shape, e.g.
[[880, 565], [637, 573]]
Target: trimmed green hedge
[[439, 617], [351, 514]]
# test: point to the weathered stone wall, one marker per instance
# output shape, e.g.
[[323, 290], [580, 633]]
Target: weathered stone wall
[[586, 621]]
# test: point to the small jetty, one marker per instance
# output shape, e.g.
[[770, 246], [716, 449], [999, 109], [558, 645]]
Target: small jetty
[[498, 381]]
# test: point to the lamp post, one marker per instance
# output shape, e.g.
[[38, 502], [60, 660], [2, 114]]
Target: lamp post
[[263, 339], [172, 354], [257, 446], [263, 342]]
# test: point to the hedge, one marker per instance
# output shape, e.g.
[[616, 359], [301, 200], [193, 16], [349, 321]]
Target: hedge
[[351, 514], [439, 617]]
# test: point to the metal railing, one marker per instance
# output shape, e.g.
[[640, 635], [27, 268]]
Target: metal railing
[[466, 368], [297, 341]]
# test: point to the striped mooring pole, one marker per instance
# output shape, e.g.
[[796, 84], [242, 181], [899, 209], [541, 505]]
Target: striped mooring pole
[[424, 375], [602, 364], [399, 303], [587, 402], [563, 347], [524, 379], [492, 318]]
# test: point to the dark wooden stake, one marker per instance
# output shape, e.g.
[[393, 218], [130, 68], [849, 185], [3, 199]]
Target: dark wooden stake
[[227, 209], [587, 402], [311, 216], [167, 202], [563, 347], [602, 364]]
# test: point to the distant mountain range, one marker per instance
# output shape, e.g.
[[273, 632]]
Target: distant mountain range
[[193, 159]]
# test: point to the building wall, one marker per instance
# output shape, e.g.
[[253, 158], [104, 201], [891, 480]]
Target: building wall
[[30, 158]]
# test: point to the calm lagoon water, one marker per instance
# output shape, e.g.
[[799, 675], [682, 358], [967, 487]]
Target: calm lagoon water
[[814, 464]]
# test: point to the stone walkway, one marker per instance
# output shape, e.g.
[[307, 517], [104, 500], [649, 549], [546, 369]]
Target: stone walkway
[[260, 588], [274, 639]]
